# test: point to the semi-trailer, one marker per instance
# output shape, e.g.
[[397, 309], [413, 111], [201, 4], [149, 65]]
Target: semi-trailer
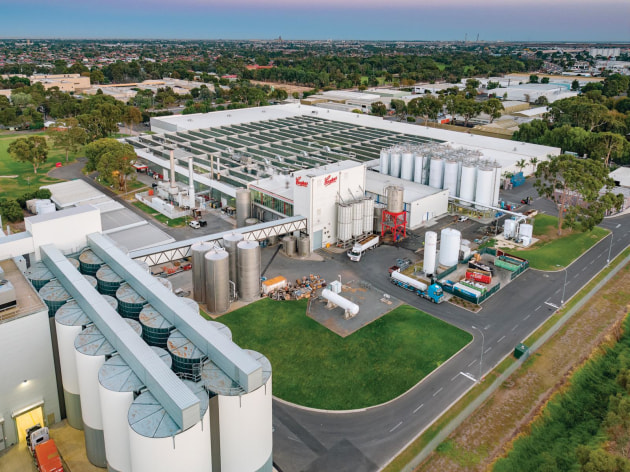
[[364, 245], [431, 292]]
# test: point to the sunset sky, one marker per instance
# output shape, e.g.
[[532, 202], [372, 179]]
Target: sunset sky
[[535, 20]]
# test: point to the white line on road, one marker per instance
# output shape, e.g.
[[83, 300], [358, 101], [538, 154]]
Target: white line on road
[[556, 292], [438, 391], [552, 305], [395, 427], [575, 276], [538, 307], [500, 339], [418, 408], [454, 377], [591, 263], [293, 439], [525, 319], [514, 328], [583, 269], [487, 350], [468, 376], [472, 363]]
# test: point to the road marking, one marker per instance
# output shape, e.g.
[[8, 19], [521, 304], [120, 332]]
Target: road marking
[[591, 263], [395, 427], [538, 307], [472, 362], [293, 439], [418, 408], [575, 276], [439, 390], [552, 305], [487, 350], [514, 328], [468, 376], [455, 377], [525, 319], [583, 269], [500, 339], [556, 292]]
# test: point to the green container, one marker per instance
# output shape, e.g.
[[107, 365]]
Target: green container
[[521, 350], [505, 265]]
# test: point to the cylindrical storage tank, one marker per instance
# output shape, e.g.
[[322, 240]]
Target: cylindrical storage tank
[[340, 301], [344, 221], [130, 302], [394, 164], [89, 263], [304, 246], [289, 243], [39, 275], [158, 444], [485, 187], [166, 283], [418, 168], [406, 166], [90, 279], [249, 270], [74, 262], [243, 206], [187, 358], [395, 202], [221, 328], [450, 177], [54, 296], [526, 230], [467, 182], [430, 250], [118, 385], [378, 217], [198, 251], [217, 282], [272, 240], [509, 229], [436, 172], [144, 266], [244, 420], [449, 246], [357, 218], [251, 221], [112, 301], [497, 183], [384, 162], [192, 304], [108, 281], [368, 215], [155, 328], [91, 351], [229, 243]]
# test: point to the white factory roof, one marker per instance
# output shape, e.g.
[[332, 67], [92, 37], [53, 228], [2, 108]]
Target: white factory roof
[[327, 169], [73, 192], [532, 111], [375, 183], [621, 175], [280, 186], [140, 237]]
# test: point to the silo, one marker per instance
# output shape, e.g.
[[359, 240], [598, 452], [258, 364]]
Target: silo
[[436, 172], [450, 240], [156, 442], [289, 245], [243, 206], [217, 282], [155, 328], [509, 228], [108, 281], [344, 221], [118, 386], [229, 243], [525, 230], [192, 304], [418, 168], [368, 215], [394, 164], [395, 202], [198, 251], [430, 249], [39, 275], [74, 262], [467, 182], [91, 279], [241, 422], [89, 263], [91, 351], [221, 328], [484, 187], [496, 167], [130, 302], [384, 162], [378, 217], [54, 296], [406, 166], [249, 270], [304, 246], [187, 358], [450, 177], [357, 218]]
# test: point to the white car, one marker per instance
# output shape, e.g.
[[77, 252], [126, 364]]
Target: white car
[[194, 224], [462, 218]]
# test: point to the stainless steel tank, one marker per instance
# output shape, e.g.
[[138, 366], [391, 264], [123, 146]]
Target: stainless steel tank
[[217, 281], [249, 270]]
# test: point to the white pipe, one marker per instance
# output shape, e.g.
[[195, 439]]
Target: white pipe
[[409, 281], [340, 301], [191, 184], [173, 169]]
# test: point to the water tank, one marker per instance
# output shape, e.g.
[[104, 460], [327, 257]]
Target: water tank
[[244, 420], [243, 206], [156, 442], [394, 164], [450, 177], [89, 263], [304, 246], [384, 162], [221, 328], [430, 250], [509, 229], [395, 202], [368, 215], [378, 217], [251, 221], [39, 275], [91, 351], [525, 230], [450, 240], [198, 252], [249, 270], [187, 358], [130, 302], [155, 328], [229, 243], [497, 183], [108, 281], [484, 187], [436, 170], [54, 296], [118, 386], [418, 168], [357, 218], [217, 281], [406, 166], [467, 182], [344, 221]]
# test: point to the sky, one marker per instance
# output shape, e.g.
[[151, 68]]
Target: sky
[[507, 20]]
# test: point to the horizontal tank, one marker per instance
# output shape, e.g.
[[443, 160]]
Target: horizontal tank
[[396, 275], [130, 302], [155, 328], [108, 281], [89, 263], [340, 301]]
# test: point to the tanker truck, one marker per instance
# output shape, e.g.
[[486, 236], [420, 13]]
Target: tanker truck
[[431, 292]]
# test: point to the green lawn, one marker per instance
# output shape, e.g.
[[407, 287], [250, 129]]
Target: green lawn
[[316, 368], [170, 222]]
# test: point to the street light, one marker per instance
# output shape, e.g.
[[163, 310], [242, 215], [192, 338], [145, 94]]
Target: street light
[[564, 287], [483, 339]]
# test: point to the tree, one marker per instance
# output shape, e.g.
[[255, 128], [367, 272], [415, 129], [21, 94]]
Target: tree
[[533, 79], [607, 146], [68, 135], [534, 163], [97, 77], [32, 149], [521, 164], [112, 159], [575, 85], [544, 80], [379, 109], [428, 107], [467, 108], [493, 107], [400, 107], [10, 210], [580, 188], [132, 116]]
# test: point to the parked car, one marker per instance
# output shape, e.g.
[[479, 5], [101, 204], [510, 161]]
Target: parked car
[[194, 224]]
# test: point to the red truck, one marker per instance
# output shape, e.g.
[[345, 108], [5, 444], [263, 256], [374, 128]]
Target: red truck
[[43, 449]]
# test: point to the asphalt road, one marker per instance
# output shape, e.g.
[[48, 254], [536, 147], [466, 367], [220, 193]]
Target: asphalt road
[[306, 440]]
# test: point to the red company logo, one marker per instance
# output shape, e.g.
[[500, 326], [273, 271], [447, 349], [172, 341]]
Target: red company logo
[[329, 180], [300, 183]]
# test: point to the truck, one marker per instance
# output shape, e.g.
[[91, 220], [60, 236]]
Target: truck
[[431, 292], [43, 449], [360, 247]]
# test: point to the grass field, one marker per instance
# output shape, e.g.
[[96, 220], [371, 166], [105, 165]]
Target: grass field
[[316, 368], [170, 222], [26, 180]]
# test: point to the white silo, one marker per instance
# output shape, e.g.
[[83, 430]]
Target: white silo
[[357, 218], [484, 187], [525, 230], [509, 229], [436, 172], [496, 167], [344, 221], [450, 177], [230, 241], [406, 166], [394, 163], [249, 270], [244, 420], [430, 249], [384, 162], [395, 199], [368, 215], [467, 182], [450, 241], [217, 282], [91, 350], [418, 168], [118, 386], [156, 442]]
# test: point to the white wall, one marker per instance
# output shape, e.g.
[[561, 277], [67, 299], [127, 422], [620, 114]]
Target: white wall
[[420, 211]]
